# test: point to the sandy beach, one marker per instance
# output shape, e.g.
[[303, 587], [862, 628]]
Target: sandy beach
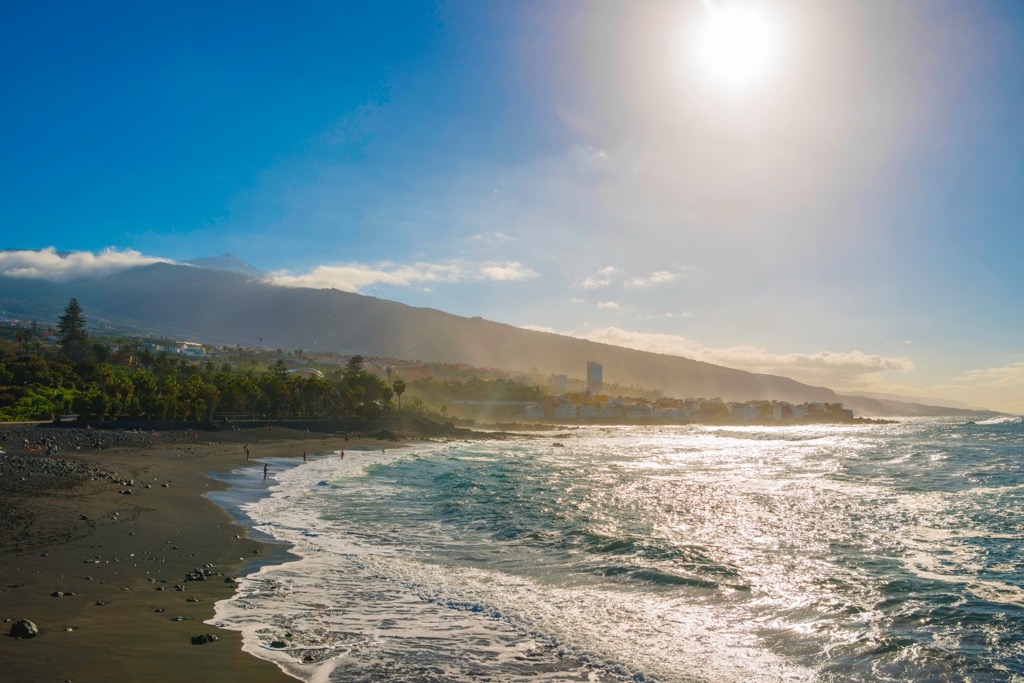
[[103, 573]]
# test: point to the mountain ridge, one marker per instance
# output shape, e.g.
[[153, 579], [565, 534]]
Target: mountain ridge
[[225, 307], [227, 262]]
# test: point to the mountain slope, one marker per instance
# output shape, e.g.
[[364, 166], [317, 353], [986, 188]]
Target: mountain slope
[[229, 308]]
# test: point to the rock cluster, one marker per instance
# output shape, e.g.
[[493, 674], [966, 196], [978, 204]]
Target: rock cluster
[[201, 573], [34, 472], [73, 438]]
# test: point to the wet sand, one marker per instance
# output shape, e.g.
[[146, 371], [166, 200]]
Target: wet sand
[[118, 558]]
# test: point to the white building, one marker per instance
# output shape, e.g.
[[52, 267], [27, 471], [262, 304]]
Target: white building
[[638, 411], [190, 349], [535, 411], [564, 411], [600, 411], [748, 412]]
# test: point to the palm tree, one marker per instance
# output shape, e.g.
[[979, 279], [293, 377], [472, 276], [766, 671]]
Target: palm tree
[[399, 387], [23, 335]]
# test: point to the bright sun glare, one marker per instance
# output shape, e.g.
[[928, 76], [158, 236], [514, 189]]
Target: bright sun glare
[[737, 47]]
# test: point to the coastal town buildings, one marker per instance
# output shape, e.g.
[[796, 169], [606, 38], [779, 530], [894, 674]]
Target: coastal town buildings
[[613, 409], [565, 411]]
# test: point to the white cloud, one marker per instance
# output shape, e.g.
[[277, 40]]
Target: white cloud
[[601, 278], [1004, 376], [663, 316], [608, 304], [658, 277], [591, 160], [604, 278], [493, 238], [510, 271], [355, 277], [999, 387], [48, 264], [847, 369]]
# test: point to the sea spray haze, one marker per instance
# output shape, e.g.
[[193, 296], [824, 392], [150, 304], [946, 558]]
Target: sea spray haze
[[821, 553]]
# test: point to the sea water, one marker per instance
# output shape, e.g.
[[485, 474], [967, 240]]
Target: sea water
[[691, 553]]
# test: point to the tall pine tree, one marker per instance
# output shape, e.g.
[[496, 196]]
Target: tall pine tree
[[72, 337]]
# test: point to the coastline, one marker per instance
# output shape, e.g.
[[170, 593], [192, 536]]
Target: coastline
[[118, 558]]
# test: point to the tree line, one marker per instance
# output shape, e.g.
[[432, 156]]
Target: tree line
[[99, 381]]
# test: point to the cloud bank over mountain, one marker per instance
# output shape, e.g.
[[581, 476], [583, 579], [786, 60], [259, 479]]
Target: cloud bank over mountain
[[49, 264]]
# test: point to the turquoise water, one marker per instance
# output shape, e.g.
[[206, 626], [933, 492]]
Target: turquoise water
[[823, 553]]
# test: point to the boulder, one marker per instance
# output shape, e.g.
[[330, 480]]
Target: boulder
[[23, 628], [204, 638]]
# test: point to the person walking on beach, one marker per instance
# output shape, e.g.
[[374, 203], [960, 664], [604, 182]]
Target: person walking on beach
[[264, 471], [303, 456]]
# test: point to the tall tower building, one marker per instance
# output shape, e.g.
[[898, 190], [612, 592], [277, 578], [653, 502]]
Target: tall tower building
[[595, 377]]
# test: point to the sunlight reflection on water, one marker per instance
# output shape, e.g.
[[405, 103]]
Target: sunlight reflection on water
[[678, 554]]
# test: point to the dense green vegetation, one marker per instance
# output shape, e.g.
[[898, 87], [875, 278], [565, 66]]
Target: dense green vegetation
[[75, 374], [164, 387], [100, 381]]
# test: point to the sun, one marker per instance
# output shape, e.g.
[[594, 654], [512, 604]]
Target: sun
[[736, 48]]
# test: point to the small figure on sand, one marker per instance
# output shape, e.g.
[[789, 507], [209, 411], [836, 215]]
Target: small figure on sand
[[342, 454], [303, 456], [382, 451], [264, 471], [246, 451]]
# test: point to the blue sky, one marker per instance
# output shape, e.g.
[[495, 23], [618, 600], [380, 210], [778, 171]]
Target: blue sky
[[851, 218]]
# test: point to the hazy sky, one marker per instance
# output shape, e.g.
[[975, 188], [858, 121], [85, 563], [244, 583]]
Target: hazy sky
[[850, 216]]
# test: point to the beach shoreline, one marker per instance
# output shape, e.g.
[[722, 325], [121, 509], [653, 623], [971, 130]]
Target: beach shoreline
[[121, 562]]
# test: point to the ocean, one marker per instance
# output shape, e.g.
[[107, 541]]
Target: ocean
[[690, 553]]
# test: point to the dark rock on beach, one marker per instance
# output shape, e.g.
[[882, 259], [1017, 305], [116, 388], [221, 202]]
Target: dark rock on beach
[[23, 628]]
